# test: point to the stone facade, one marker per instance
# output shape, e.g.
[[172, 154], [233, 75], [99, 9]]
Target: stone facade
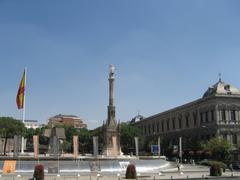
[[216, 114]]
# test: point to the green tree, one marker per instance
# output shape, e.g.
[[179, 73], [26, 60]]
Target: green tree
[[219, 148], [29, 136], [10, 127], [85, 141], [128, 132], [43, 140]]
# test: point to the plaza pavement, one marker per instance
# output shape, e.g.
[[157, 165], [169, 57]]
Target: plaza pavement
[[186, 172]]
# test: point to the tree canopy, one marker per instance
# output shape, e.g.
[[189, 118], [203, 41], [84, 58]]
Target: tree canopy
[[10, 127], [219, 148], [128, 132]]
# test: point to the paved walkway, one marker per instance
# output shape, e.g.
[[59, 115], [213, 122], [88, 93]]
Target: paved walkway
[[186, 172]]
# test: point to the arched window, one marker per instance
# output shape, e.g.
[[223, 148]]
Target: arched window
[[233, 115], [234, 139]]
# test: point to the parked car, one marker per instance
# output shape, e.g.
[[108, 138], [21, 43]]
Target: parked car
[[236, 165]]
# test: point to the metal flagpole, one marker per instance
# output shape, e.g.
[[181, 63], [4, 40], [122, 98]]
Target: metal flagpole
[[23, 110]]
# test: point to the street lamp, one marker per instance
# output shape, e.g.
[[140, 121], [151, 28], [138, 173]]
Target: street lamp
[[180, 148]]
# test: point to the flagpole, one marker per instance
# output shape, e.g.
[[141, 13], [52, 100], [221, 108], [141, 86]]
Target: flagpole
[[23, 110]]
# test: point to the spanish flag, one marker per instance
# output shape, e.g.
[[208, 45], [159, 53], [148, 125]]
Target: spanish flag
[[21, 91]]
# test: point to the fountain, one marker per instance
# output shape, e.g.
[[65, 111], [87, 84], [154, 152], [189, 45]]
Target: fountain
[[112, 160]]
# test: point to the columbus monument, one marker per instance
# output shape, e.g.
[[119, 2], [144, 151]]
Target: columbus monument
[[111, 129]]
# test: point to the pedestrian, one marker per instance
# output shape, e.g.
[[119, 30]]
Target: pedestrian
[[178, 167], [231, 167]]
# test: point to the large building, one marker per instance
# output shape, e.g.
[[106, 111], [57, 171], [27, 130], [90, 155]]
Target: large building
[[31, 124], [70, 120], [216, 114]]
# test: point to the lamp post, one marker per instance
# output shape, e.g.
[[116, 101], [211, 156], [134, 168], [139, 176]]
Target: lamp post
[[180, 149], [179, 144], [159, 146], [2, 146], [58, 153]]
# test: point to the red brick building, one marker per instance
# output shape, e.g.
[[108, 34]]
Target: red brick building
[[66, 120]]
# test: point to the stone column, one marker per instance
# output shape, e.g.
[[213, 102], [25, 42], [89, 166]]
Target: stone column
[[111, 108], [16, 145], [238, 140], [111, 85], [217, 116], [75, 146], [227, 112], [55, 146], [237, 115], [36, 146], [136, 146], [114, 146], [229, 138], [95, 146]]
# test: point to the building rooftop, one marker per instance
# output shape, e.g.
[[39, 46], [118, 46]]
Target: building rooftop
[[27, 120], [221, 89], [136, 119], [65, 116]]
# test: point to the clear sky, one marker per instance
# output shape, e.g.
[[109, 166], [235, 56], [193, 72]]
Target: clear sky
[[166, 53]]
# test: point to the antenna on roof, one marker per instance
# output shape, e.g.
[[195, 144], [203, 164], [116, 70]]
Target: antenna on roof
[[138, 112], [220, 77]]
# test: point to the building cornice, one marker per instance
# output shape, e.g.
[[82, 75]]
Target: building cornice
[[188, 105]]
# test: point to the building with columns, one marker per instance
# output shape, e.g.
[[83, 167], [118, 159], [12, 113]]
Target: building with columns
[[216, 114]]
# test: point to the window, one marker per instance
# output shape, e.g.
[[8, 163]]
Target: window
[[180, 122], [212, 115], [227, 88], [233, 115], [195, 119], [234, 139], [173, 123], [223, 115], [168, 125], [158, 126], [149, 129], [206, 116], [207, 137], [162, 127], [187, 121], [153, 127], [225, 136], [201, 117], [145, 129]]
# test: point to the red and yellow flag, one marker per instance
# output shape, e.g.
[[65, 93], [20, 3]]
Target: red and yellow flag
[[21, 91]]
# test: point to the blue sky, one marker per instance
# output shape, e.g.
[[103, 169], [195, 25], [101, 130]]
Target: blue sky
[[166, 53]]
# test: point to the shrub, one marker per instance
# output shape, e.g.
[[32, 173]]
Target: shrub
[[215, 170], [38, 172], [131, 172], [206, 162]]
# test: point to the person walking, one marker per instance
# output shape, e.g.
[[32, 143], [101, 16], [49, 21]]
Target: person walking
[[231, 167], [178, 167]]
